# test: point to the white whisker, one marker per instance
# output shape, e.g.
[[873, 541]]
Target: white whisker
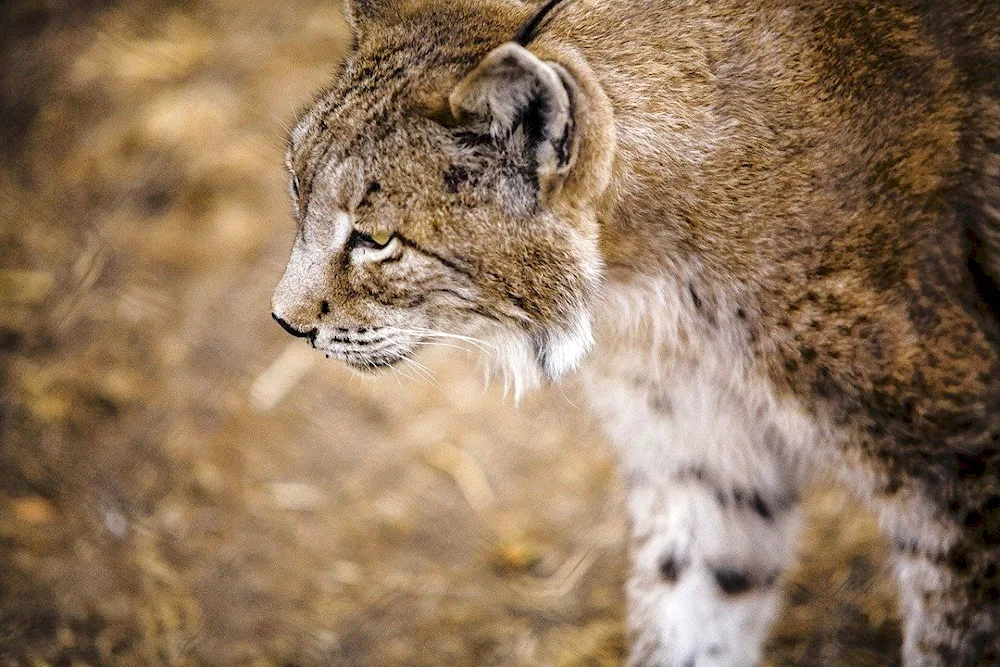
[[409, 377], [395, 376], [424, 372], [453, 347], [421, 332], [281, 122]]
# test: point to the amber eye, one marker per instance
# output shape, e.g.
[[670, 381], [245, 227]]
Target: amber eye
[[375, 241]]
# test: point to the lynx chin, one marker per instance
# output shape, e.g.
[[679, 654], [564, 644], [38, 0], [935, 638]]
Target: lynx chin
[[766, 234]]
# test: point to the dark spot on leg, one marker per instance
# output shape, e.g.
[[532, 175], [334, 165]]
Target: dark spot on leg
[[758, 505], [670, 570], [732, 582], [970, 466], [892, 487], [960, 562], [740, 313], [661, 403], [973, 519], [324, 308], [690, 472], [10, 341]]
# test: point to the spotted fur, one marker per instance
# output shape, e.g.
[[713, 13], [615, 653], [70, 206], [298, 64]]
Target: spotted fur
[[768, 233]]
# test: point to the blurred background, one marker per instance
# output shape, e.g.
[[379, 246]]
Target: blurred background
[[181, 483]]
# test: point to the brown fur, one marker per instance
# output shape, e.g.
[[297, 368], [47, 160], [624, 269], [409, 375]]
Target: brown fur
[[831, 168]]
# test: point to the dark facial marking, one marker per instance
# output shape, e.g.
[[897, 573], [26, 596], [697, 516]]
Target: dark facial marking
[[455, 177], [451, 264], [373, 188]]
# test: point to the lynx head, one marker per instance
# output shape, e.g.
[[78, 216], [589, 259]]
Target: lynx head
[[446, 183]]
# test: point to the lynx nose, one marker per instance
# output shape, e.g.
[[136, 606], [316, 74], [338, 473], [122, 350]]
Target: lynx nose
[[311, 334]]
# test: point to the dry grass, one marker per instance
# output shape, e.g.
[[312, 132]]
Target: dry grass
[[180, 486]]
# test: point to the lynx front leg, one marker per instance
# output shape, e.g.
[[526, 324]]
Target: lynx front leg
[[714, 517], [950, 590], [707, 554]]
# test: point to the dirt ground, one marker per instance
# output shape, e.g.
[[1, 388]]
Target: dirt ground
[[183, 484]]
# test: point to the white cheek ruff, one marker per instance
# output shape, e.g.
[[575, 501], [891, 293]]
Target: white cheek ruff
[[524, 361], [564, 349], [515, 361]]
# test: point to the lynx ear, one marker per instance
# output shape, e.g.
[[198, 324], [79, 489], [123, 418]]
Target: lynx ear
[[513, 89]]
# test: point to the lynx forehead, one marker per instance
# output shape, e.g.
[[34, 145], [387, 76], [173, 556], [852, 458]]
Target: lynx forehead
[[768, 233]]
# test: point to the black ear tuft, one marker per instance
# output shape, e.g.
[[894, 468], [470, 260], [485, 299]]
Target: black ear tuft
[[530, 28]]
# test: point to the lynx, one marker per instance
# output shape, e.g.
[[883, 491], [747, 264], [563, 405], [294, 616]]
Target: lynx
[[766, 235]]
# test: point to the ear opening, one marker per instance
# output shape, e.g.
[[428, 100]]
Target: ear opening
[[513, 89]]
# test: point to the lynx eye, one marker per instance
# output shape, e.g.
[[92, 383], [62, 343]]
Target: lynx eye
[[295, 185], [375, 241]]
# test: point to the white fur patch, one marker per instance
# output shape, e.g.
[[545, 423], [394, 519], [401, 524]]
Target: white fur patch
[[515, 361], [566, 348], [677, 396]]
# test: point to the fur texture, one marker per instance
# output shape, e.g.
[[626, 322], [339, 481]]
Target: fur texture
[[769, 232]]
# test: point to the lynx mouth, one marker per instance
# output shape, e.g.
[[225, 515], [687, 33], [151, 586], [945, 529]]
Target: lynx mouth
[[369, 364], [370, 355]]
